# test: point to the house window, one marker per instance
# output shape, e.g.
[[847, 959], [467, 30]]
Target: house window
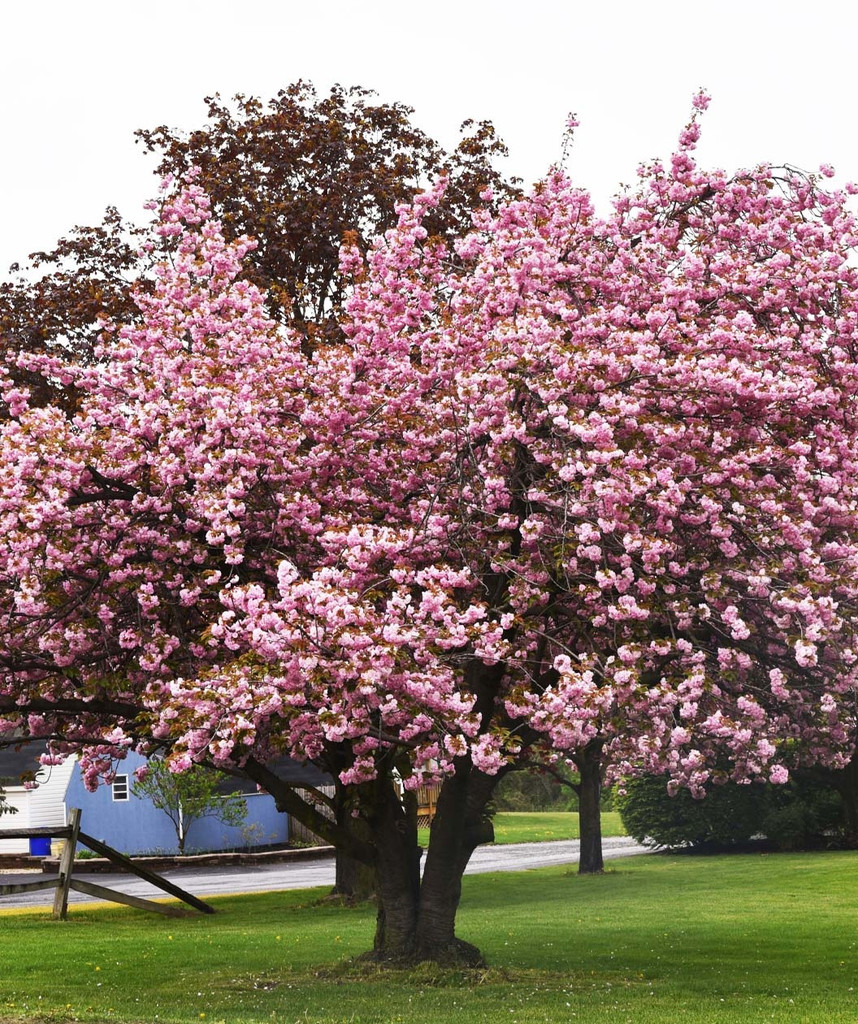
[[120, 787]]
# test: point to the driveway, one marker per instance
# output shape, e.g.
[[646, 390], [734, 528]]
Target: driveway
[[220, 881]]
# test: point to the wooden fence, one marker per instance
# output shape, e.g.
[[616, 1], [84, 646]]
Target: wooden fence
[[66, 882]]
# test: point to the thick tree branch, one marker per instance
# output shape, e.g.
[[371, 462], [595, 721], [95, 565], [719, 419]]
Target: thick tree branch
[[287, 799]]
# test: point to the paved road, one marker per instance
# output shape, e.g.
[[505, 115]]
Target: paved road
[[205, 882]]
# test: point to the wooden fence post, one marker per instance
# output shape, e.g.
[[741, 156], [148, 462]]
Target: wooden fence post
[[61, 897]]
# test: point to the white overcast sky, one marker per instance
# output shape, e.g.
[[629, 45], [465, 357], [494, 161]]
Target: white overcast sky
[[78, 76]]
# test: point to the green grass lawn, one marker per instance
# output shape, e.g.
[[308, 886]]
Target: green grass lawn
[[541, 826], [657, 939]]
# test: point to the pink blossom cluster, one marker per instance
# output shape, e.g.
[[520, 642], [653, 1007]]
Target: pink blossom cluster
[[571, 478]]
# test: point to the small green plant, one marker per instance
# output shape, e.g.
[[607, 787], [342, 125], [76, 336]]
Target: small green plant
[[253, 834], [186, 797], [5, 806]]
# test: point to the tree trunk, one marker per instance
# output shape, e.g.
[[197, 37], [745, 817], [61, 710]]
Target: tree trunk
[[397, 875], [416, 919], [354, 880], [846, 782], [589, 763], [454, 835]]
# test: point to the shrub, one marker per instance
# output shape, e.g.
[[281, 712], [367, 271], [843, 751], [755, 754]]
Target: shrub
[[728, 814], [803, 814], [796, 816]]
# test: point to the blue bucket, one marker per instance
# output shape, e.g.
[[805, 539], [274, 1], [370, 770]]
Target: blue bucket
[[40, 846]]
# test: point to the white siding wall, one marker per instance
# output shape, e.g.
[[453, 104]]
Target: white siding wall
[[48, 801], [37, 808], [16, 796]]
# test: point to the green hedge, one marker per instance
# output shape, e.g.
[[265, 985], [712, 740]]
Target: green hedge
[[800, 815]]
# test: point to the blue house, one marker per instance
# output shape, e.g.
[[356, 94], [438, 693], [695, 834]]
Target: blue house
[[130, 823]]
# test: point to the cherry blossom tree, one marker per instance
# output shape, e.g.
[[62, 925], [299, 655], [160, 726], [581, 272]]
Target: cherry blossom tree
[[570, 487]]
